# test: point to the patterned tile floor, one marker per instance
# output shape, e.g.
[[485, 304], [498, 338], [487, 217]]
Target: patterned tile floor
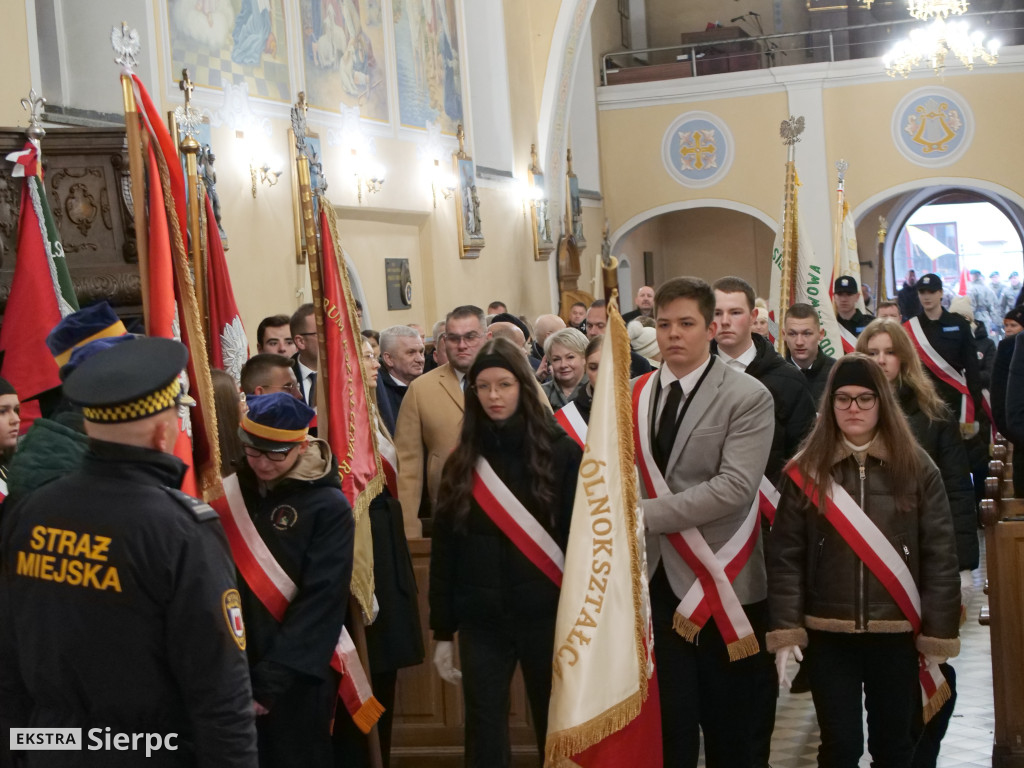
[[968, 741]]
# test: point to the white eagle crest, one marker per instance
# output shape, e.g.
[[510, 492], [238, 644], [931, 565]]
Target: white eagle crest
[[126, 45], [234, 348]]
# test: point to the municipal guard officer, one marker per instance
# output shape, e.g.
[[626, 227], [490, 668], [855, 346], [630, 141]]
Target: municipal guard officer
[[846, 294], [118, 607]]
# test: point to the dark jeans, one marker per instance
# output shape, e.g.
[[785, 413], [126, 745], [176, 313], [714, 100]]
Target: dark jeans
[[488, 658], [929, 735], [882, 668], [701, 690]]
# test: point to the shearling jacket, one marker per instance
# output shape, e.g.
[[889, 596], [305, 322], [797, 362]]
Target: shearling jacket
[[816, 581]]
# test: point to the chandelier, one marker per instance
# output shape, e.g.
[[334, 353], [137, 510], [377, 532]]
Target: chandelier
[[931, 45]]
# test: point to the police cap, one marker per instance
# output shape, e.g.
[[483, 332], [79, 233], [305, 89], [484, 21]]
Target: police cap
[[930, 282], [275, 422], [845, 284], [128, 382], [98, 321]]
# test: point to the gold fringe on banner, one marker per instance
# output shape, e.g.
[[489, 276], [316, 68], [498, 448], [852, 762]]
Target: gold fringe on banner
[[207, 477], [574, 740]]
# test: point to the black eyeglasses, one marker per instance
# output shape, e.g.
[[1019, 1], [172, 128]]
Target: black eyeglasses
[[275, 456], [865, 402]]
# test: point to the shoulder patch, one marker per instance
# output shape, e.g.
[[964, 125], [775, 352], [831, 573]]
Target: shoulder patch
[[199, 509], [231, 603]]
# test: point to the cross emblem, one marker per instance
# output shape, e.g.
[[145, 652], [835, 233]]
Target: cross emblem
[[693, 156]]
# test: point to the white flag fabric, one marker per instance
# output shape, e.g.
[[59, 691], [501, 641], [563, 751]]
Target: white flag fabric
[[847, 258], [604, 707], [812, 283]]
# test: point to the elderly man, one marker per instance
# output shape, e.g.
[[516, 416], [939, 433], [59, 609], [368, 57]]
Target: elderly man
[[401, 351]]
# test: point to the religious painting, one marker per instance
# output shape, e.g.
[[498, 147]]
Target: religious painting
[[540, 216], [932, 126], [344, 57], [467, 202], [429, 69], [697, 149], [225, 42]]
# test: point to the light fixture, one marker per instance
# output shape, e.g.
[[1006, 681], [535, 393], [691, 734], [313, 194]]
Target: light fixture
[[441, 181], [369, 173], [530, 194], [931, 45], [266, 175]]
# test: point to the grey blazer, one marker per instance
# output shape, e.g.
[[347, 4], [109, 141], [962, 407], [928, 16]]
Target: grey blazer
[[714, 471]]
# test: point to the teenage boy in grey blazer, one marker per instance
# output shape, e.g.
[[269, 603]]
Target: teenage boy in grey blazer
[[712, 465]]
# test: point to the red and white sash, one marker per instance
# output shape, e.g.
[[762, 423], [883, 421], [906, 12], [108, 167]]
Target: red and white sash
[[3, 488], [388, 459], [516, 522], [937, 364], [848, 339], [767, 499], [886, 563], [275, 589], [572, 422], [712, 593]]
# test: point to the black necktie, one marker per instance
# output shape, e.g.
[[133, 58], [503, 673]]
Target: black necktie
[[312, 390], [666, 435]]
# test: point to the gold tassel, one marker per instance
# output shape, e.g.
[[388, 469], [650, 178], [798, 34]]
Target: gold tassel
[[742, 648], [368, 714], [564, 744], [685, 628], [938, 699]]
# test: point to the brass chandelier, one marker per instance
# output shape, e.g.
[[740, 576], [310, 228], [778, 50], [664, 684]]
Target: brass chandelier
[[931, 45]]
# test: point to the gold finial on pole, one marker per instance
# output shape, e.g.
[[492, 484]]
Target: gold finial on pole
[[461, 134], [34, 106], [790, 131], [188, 120]]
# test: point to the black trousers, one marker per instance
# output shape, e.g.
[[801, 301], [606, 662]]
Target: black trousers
[[883, 669], [701, 690], [929, 735], [488, 658], [297, 731]]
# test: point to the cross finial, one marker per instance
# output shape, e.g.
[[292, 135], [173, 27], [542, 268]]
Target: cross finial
[[187, 117], [186, 86], [842, 167]]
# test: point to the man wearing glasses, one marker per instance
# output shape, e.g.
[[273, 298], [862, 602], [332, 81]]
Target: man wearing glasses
[[292, 494], [303, 327], [430, 417]]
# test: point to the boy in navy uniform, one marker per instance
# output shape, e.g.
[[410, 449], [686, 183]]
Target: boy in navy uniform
[[118, 606], [847, 293], [292, 492]]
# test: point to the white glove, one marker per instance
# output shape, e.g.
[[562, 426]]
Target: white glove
[[444, 662], [782, 661], [966, 588]]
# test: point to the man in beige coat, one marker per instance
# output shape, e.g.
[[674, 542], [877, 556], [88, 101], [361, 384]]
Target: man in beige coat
[[430, 418]]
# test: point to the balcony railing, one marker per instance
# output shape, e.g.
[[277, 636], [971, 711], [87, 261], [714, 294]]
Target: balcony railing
[[744, 53]]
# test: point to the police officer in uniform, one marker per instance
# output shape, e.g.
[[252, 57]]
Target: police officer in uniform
[[118, 607], [847, 293], [951, 336]]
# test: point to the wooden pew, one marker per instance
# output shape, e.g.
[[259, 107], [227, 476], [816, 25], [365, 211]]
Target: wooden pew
[[1003, 521]]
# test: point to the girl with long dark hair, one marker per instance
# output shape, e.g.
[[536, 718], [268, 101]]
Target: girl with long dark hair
[[862, 571], [511, 479]]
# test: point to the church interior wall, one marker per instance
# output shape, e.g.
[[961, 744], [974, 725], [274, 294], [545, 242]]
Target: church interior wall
[[667, 19], [15, 63]]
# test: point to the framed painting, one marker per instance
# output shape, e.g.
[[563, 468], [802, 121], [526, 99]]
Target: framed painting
[[429, 70], [540, 216], [467, 202]]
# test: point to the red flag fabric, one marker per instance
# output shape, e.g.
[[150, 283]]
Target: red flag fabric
[[961, 289], [229, 348], [349, 426], [176, 300]]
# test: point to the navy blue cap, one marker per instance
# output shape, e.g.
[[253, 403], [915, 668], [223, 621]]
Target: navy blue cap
[[275, 422], [929, 282], [80, 354], [845, 284], [127, 382], [98, 321]]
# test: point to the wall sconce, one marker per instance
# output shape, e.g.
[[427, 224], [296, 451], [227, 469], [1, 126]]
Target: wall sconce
[[442, 181], [530, 194], [368, 173], [266, 175]]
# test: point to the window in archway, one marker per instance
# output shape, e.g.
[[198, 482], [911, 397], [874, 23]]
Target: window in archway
[[955, 235]]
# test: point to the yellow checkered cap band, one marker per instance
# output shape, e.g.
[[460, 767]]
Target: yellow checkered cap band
[[153, 403]]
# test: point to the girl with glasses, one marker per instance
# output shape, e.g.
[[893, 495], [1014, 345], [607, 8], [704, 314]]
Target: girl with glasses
[[513, 475], [862, 571]]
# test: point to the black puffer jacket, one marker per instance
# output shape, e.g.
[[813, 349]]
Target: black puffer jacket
[[816, 375], [816, 581], [942, 442], [795, 409], [478, 577]]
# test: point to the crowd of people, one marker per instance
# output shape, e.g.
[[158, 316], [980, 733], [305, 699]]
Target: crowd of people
[[842, 487]]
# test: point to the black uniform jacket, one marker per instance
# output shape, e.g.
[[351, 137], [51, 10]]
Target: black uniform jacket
[[118, 600], [478, 577], [307, 525], [857, 323], [952, 338], [817, 375]]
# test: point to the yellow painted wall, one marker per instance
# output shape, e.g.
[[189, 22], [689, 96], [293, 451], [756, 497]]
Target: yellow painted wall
[[14, 64]]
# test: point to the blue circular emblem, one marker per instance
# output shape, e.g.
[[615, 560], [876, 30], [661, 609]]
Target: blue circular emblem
[[932, 126], [697, 149]]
